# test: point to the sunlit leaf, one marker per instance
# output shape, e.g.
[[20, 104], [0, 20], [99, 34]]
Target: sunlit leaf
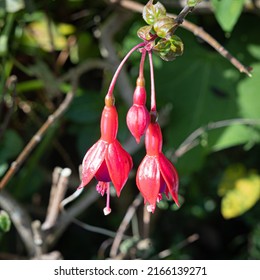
[[163, 26], [242, 197], [231, 175], [236, 135], [5, 222], [46, 35], [145, 32], [249, 97], [193, 3], [152, 12], [227, 12], [13, 6]]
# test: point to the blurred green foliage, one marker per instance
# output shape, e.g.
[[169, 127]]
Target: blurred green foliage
[[40, 41]]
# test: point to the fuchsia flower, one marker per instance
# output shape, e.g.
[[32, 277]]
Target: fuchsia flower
[[106, 159], [138, 117], [156, 174]]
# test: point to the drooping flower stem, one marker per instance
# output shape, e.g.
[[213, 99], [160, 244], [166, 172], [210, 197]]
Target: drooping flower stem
[[153, 97], [113, 81], [141, 67]]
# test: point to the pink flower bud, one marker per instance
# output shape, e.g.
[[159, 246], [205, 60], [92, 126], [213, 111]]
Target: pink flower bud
[[138, 117]]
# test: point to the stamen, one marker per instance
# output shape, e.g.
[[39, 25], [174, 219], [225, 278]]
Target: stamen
[[101, 187], [159, 197], [107, 210]]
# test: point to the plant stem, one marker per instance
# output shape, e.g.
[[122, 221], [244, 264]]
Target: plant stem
[[141, 68], [153, 97], [113, 82], [197, 31]]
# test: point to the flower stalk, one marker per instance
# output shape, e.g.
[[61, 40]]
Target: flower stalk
[[106, 160]]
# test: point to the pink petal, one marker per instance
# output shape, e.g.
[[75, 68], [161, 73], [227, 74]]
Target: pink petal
[[119, 164], [92, 161], [170, 176], [148, 179]]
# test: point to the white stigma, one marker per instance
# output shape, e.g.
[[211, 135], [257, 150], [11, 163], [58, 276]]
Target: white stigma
[[107, 211], [150, 208]]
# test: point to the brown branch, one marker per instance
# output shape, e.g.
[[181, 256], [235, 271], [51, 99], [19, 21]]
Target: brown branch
[[124, 224], [196, 30], [36, 139], [58, 189]]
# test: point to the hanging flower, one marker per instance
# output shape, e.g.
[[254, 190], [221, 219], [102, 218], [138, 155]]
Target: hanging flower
[[156, 174], [138, 117], [106, 160]]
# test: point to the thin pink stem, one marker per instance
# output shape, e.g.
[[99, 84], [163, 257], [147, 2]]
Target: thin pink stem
[[107, 209], [113, 82], [141, 68], [108, 197], [153, 98]]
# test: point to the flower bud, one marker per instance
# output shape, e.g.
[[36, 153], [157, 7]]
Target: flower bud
[[138, 117]]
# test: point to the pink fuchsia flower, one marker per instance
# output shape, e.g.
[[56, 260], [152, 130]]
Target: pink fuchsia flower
[[138, 117], [156, 174], [106, 160]]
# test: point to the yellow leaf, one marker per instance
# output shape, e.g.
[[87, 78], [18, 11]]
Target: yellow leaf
[[231, 175], [46, 35], [242, 197]]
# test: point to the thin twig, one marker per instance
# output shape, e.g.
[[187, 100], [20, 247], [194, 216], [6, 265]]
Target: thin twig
[[124, 225], [181, 16], [70, 216], [58, 189], [36, 139], [37, 238], [73, 76], [196, 30], [168, 252], [193, 139]]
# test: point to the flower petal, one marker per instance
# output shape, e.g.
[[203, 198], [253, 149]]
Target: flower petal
[[170, 176], [148, 179], [119, 164], [92, 161]]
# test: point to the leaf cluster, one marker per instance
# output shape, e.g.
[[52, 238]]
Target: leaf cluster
[[169, 45]]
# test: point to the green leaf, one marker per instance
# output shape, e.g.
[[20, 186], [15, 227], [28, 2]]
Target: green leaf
[[45, 34], [249, 97], [5, 222], [85, 109], [169, 49], [10, 145], [152, 12], [193, 3], [3, 168], [227, 12], [163, 26], [145, 32], [254, 50], [236, 135]]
